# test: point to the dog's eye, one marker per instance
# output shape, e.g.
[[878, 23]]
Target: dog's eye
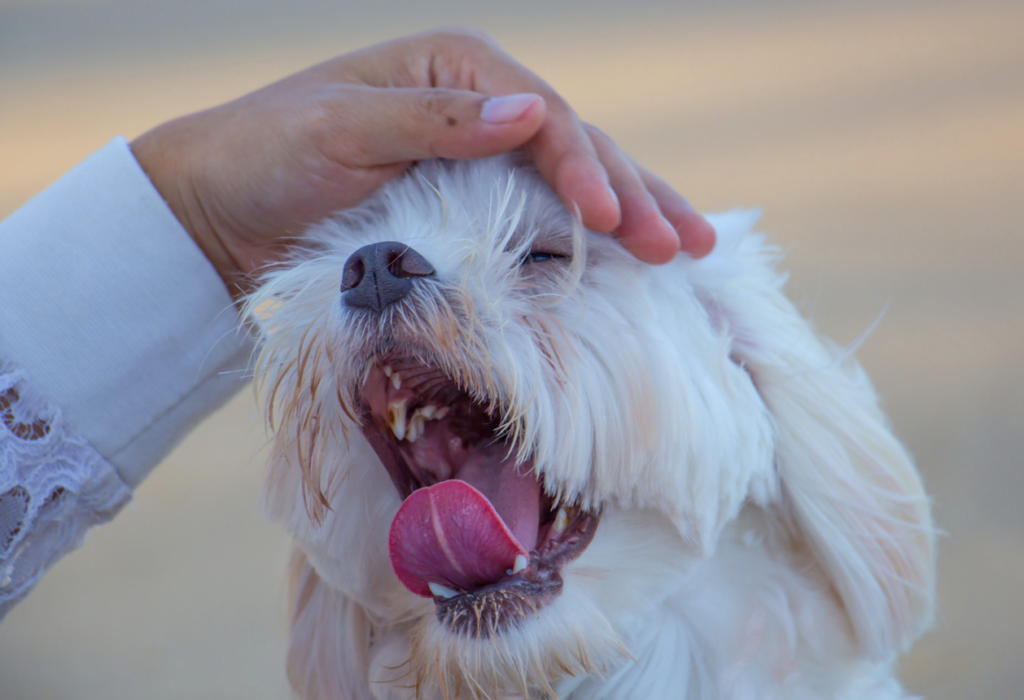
[[540, 256]]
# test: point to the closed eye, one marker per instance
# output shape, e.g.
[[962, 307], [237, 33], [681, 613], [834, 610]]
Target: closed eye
[[540, 256]]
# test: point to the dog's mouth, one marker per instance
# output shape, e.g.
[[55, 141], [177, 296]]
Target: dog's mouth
[[475, 531]]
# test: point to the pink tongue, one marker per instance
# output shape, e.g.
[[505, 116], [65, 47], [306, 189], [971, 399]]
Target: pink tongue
[[449, 533]]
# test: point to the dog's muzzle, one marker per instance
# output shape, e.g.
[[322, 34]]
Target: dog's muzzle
[[476, 531]]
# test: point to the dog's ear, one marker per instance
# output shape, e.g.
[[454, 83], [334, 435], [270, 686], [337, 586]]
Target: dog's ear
[[329, 639], [847, 483]]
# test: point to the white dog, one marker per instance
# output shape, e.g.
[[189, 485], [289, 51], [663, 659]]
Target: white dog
[[518, 463]]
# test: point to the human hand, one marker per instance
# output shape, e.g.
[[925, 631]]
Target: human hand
[[246, 177]]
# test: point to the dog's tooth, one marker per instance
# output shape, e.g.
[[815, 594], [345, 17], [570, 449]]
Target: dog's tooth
[[387, 370], [396, 418], [396, 381], [427, 411], [417, 423], [521, 563], [561, 521], [440, 413], [442, 591], [415, 428]]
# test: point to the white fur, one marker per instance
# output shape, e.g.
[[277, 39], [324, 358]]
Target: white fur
[[763, 533]]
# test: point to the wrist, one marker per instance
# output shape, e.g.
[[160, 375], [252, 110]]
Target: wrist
[[164, 156]]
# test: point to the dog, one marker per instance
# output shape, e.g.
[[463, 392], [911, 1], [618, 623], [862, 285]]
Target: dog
[[518, 463]]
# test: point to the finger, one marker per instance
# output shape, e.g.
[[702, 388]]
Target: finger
[[696, 236], [468, 59], [569, 163], [562, 150], [372, 126], [644, 231]]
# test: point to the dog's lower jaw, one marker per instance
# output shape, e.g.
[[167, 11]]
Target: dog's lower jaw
[[494, 609]]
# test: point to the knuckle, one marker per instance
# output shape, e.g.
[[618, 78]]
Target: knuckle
[[442, 114], [467, 37], [439, 105], [598, 136]]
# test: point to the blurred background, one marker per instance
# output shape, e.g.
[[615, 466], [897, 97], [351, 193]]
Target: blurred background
[[883, 141]]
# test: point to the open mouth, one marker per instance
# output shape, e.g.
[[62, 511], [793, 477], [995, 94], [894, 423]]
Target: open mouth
[[475, 532]]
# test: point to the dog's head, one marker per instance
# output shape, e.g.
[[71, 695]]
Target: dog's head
[[506, 441]]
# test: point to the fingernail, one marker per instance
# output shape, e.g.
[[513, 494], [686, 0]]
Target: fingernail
[[671, 227], [502, 110], [615, 196]]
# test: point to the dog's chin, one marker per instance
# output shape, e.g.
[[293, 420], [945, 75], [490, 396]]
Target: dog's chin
[[476, 532], [635, 560], [569, 637]]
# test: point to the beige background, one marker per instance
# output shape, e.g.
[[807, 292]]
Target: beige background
[[884, 142]]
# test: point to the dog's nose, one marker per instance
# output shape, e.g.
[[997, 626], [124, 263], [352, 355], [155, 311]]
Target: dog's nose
[[379, 274]]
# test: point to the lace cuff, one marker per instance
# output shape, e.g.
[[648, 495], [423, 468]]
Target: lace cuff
[[53, 487]]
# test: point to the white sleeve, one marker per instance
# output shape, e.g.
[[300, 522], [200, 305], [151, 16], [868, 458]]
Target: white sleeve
[[116, 337], [115, 314]]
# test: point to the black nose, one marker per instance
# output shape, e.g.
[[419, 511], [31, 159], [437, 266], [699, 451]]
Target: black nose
[[379, 274]]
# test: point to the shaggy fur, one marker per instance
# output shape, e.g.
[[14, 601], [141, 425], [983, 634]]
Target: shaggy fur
[[763, 534]]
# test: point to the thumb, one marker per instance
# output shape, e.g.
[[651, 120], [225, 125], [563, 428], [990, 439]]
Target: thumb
[[395, 125]]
